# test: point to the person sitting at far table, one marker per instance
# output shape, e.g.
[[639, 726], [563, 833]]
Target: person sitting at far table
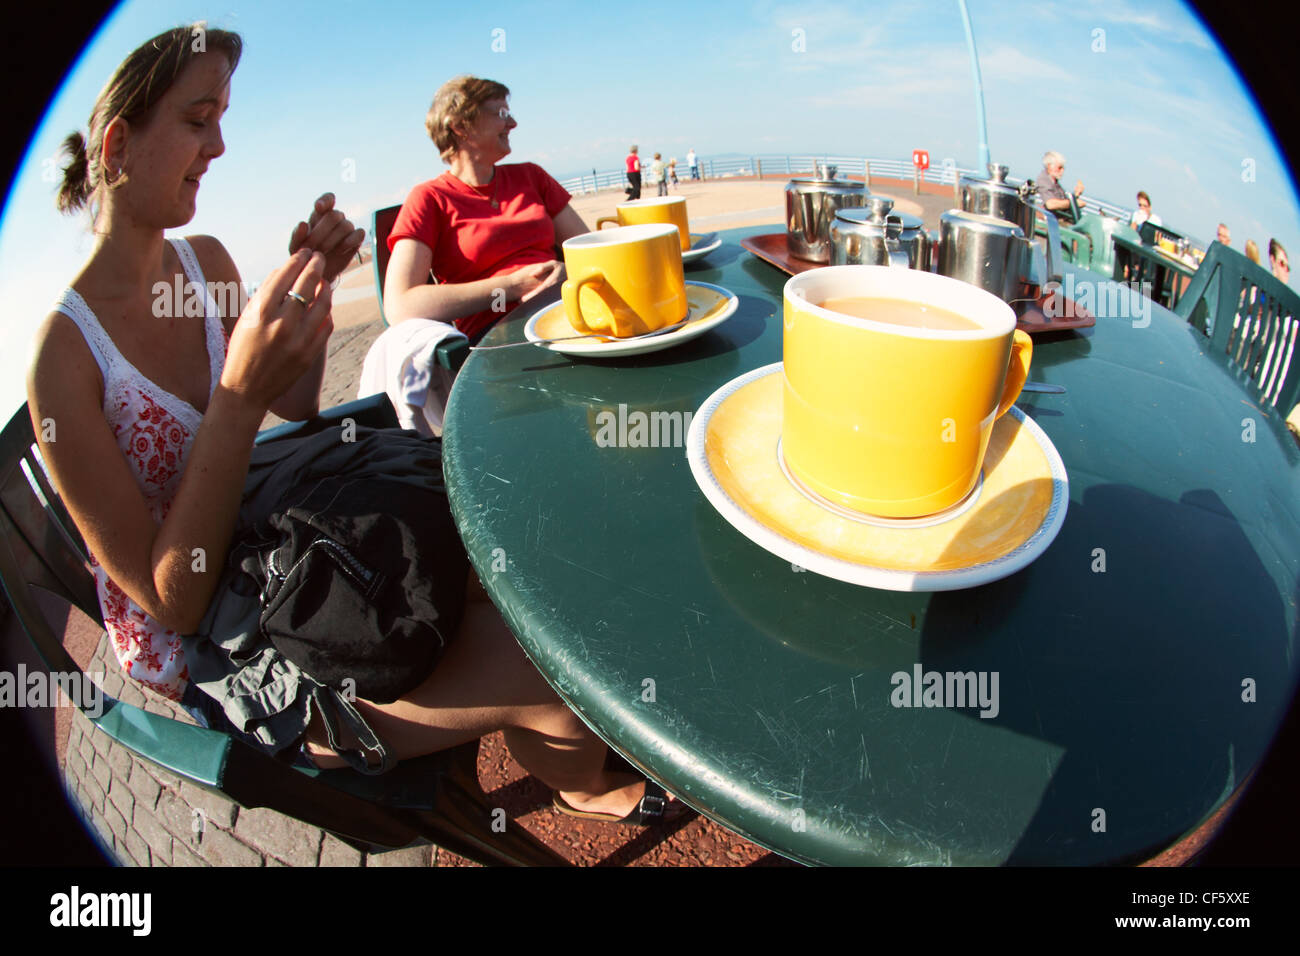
[[1223, 235], [1143, 212], [1053, 195], [1279, 261]]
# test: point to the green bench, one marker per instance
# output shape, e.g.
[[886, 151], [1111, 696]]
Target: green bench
[[437, 798], [1251, 316]]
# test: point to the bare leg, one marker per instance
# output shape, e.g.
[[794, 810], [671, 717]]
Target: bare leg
[[486, 683]]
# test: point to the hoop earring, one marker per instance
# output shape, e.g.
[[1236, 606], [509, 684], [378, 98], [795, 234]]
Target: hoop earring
[[117, 178]]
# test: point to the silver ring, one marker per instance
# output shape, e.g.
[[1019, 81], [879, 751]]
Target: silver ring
[[297, 298]]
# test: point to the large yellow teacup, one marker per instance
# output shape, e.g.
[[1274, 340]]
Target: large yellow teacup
[[890, 400], [640, 212], [625, 281]]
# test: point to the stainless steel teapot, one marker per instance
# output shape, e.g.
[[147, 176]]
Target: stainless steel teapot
[[1020, 205], [810, 207], [875, 235]]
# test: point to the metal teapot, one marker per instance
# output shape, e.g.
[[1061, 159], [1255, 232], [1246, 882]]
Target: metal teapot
[[810, 207], [1017, 205], [877, 236]]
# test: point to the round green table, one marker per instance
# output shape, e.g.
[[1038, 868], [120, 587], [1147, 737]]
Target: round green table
[[1145, 660]]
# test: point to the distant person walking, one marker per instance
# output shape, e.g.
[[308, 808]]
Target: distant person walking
[[658, 176], [672, 170], [633, 175], [694, 163]]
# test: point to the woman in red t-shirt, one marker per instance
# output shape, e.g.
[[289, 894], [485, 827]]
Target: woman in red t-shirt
[[487, 232]]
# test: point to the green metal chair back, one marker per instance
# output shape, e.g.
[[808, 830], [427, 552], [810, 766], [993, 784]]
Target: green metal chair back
[[1251, 316], [381, 224], [436, 797], [1100, 231], [450, 355]]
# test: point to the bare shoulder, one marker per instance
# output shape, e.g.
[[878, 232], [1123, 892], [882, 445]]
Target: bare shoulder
[[222, 276], [63, 365], [215, 261]]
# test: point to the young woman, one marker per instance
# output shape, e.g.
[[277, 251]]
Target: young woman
[[155, 414]]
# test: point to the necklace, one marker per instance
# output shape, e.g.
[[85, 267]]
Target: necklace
[[491, 199]]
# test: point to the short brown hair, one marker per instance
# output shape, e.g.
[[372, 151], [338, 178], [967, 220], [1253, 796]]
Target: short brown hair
[[457, 103], [140, 82], [1142, 195]]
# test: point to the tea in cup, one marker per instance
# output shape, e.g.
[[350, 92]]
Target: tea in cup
[[893, 379], [625, 281], [671, 209]]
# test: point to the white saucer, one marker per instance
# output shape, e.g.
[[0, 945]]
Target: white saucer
[[1012, 517], [698, 251], [710, 306]]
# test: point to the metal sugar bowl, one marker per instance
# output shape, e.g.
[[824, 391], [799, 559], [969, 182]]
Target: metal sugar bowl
[[875, 235]]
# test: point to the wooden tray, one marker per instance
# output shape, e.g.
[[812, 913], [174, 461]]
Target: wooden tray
[[772, 249], [1031, 316]]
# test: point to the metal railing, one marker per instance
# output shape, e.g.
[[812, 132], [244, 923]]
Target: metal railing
[[766, 165]]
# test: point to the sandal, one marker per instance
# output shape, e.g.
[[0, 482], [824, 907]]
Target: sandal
[[654, 807]]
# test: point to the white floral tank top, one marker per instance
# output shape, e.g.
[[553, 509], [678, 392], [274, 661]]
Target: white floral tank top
[[155, 430]]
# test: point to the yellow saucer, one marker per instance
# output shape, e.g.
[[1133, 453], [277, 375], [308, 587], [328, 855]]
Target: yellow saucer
[[1015, 513], [708, 306]]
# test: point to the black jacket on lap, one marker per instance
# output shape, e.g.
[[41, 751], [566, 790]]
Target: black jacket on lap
[[345, 580]]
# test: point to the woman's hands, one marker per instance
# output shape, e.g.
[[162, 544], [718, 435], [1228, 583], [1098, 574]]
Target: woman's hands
[[523, 284], [278, 337], [328, 231]]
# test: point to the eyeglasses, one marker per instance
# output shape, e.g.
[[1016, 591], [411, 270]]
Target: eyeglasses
[[504, 113]]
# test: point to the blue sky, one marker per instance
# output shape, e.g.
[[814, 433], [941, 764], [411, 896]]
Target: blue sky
[[1149, 102]]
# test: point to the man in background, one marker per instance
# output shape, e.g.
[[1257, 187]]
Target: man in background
[[1054, 197], [693, 162], [1279, 260], [1223, 235]]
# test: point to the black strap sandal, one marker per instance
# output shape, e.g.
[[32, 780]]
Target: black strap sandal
[[654, 807]]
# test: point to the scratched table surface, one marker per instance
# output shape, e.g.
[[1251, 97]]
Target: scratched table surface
[[1144, 661]]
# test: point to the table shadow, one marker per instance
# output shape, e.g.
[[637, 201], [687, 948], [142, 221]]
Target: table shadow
[[1137, 681]]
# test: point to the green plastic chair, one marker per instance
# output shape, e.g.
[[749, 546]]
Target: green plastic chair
[[450, 355], [437, 798], [1099, 230], [1252, 317]]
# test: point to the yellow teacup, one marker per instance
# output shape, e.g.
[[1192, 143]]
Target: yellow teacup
[[639, 212], [891, 398], [625, 281]]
